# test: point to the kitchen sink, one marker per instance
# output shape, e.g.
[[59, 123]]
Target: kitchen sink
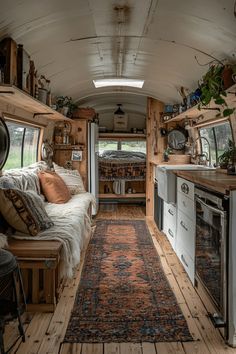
[[167, 180]]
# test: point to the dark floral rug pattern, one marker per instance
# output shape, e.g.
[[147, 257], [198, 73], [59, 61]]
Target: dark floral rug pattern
[[123, 295]]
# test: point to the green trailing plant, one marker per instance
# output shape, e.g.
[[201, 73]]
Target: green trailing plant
[[213, 86], [229, 155]]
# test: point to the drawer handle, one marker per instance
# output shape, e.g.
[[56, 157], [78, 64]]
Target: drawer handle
[[170, 233], [183, 225], [184, 204], [170, 212], [185, 188], [184, 261]]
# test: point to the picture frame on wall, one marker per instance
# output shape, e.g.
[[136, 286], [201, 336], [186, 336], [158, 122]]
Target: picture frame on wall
[[76, 155]]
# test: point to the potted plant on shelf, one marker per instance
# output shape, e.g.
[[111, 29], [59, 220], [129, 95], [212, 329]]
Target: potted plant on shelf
[[229, 156], [65, 105], [213, 85]]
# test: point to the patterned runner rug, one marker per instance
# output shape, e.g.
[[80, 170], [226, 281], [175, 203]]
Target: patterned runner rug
[[123, 295]]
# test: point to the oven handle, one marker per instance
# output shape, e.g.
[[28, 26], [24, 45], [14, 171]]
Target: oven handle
[[210, 207]]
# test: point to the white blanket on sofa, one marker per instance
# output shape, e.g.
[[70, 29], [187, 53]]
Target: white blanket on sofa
[[72, 227]]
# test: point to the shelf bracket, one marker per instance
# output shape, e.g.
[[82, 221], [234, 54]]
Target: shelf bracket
[[211, 108], [41, 114]]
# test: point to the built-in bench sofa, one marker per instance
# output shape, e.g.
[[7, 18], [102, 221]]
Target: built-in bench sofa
[[50, 255]]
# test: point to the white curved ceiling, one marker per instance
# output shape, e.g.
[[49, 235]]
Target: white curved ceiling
[[161, 41]]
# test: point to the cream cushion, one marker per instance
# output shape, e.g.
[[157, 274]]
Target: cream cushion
[[72, 179]]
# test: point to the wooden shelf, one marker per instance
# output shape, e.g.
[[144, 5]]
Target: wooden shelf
[[174, 159], [121, 196], [12, 95], [68, 147], [121, 135], [194, 112]]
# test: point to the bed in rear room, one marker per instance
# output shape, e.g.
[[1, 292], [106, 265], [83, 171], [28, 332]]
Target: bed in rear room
[[115, 164], [121, 167]]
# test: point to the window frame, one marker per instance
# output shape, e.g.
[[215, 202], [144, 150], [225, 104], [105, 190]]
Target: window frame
[[25, 124], [213, 126], [119, 141]]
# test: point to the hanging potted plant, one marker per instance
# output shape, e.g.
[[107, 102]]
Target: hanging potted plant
[[214, 84]]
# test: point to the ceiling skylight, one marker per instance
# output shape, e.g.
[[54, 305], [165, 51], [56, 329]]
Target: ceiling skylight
[[118, 82]]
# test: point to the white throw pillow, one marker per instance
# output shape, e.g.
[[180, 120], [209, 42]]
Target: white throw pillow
[[71, 178]]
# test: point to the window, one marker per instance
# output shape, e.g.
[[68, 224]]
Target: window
[[134, 145], [218, 137], [23, 146], [105, 145], [126, 145]]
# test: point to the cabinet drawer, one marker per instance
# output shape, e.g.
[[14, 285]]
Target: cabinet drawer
[[171, 235], [186, 233], [169, 223], [170, 220], [186, 205], [187, 261], [185, 187], [170, 210]]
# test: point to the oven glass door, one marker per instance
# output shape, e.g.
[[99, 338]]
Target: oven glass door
[[210, 250]]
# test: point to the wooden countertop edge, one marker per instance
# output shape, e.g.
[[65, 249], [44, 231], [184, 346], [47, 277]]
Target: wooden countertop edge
[[197, 178]]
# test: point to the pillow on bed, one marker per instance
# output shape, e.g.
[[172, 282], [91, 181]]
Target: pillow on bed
[[53, 187], [71, 178], [24, 211]]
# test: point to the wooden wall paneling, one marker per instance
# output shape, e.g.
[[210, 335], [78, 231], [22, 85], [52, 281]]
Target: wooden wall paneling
[[155, 148], [80, 134], [149, 171], [233, 125], [63, 152], [157, 107]]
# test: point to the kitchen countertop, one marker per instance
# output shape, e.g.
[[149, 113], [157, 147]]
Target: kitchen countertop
[[216, 180]]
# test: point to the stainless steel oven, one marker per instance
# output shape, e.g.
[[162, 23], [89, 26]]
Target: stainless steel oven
[[211, 249]]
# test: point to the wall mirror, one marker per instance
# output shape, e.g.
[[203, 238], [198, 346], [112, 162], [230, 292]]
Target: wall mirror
[[177, 139], [4, 143]]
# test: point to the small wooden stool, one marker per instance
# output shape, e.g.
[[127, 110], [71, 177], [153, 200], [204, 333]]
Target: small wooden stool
[[12, 297]]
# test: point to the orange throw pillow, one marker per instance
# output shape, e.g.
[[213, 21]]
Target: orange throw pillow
[[53, 187]]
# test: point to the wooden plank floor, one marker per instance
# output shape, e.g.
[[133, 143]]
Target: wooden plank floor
[[45, 332]]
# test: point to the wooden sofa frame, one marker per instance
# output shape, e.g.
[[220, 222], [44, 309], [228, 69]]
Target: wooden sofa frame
[[39, 262]]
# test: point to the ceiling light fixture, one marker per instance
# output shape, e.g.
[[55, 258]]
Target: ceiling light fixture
[[118, 82], [119, 110]]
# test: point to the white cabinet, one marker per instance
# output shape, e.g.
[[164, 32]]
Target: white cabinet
[[185, 188], [179, 225], [169, 225], [185, 235], [186, 205]]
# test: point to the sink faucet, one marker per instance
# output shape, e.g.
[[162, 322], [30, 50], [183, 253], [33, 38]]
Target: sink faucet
[[209, 148]]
